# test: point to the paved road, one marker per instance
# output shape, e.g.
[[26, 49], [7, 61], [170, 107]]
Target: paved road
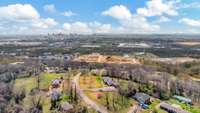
[[88, 101]]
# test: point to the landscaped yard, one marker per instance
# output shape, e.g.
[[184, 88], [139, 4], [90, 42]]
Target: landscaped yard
[[27, 83], [154, 107], [90, 81]]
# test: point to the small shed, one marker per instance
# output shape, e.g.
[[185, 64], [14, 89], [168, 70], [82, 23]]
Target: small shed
[[142, 98]]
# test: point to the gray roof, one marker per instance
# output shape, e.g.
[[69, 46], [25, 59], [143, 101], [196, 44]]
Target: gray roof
[[109, 81], [141, 97], [171, 108]]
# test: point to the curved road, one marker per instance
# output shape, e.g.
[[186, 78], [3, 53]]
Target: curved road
[[98, 108]]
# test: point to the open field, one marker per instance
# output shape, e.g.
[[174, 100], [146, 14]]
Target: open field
[[90, 81]]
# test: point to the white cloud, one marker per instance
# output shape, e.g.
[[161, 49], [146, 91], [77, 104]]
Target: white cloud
[[130, 23], [18, 12], [50, 8], [139, 24], [118, 12], [190, 22], [162, 19], [189, 5], [89, 28], [77, 27], [68, 13], [158, 8], [24, 18], [44, 23]]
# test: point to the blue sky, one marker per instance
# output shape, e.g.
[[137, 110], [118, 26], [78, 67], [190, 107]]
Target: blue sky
[[99, 16]]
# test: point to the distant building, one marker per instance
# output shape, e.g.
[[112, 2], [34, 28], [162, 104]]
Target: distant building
[[142, 98]]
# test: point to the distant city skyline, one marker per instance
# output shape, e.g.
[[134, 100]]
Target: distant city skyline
[[99, 16]]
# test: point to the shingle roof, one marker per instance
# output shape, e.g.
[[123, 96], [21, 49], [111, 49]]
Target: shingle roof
[[170, 108], [141, 97], [109, 81]]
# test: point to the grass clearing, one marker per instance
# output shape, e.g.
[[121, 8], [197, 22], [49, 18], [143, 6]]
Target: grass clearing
[[90, 81], [27, 83]]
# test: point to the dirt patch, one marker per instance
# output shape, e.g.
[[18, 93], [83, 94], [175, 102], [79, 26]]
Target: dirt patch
[[107, 59], [189, 43]]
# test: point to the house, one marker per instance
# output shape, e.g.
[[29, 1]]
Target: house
[[171, 109], [56, 83], [183, 99], [142, 98], [110, 82]]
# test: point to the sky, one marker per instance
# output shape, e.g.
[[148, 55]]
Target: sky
[[99, 16]]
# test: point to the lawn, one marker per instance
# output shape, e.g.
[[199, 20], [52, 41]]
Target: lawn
[[90, 81], [154, 106], [27, 83]]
